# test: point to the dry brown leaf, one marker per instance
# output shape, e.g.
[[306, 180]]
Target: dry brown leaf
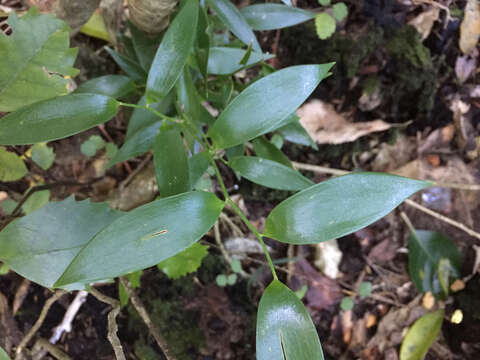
[[428, 301], [424, 21], [326, 126], [470, 27], [383, 252]]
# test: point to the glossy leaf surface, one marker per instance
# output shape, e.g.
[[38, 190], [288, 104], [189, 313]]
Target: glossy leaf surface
[[188, 96], [425, 251], [115, 86], [171, 164], [226, 61], [202, 46], [184, 263], [296, 133], [265, 149], [421, 336], [234, 20], [131, 68], [144, 237], [172, 53], [34, 60], [285, 330], [338, 207], [274, 16], [145, 46], [12, 167], [56, 118], [266, 104], [197, 165], [269, 173], [40, 246]]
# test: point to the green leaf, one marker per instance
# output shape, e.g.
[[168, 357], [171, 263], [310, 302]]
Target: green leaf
[[4, 269], [171, 163], [284, 327], [296, 133], [234, 20], [134, 279], [277, 141], [144, 237], [236, 266], [3, 355], [274, 16], [111, 150], [116, 86], [197, 165], [95, 27], [421, 336], [444, 269], [90, 146], [202, 46], [186, 262], [172, 53], [347, 303], [324, 25], [8, 206], [232, 279], [263, 106], [425, 251], [221, 280], [300, 293], [56, 118], [340, 11], [226, 61], [269, 173], [365, 289], [35, 58], [145, 46], [324, 2], [43, 155], [36, 201], [12, 167], [40, 245], [131, 68], [341, 206], [265, 149]]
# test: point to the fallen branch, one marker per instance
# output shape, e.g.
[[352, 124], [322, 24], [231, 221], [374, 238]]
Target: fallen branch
[[138, 305], [112, 324]]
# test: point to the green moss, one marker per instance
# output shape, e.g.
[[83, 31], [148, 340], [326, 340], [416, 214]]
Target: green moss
[[407, 45]]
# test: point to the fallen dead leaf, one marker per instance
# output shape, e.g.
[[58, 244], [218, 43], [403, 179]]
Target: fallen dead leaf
[[437, 139], [470, 27], [428, 301], [424, 21], [326, 126], [20, 295], [457, 285], [383, 252], [465, 67]]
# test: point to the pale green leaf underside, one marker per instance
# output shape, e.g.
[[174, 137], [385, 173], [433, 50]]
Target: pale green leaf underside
[[34, 60]]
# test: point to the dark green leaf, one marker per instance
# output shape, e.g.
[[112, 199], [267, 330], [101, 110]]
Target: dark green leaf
[[238, 150], [285, 330], [296, 133], [186, 262], [171, 164], [274, 16], [421, 336], [265, 149], [145, 46], [264, 105], [234, 20], [130, 67], [172, 53], [12, 167], [34, 58], [197, 165], [339, 207], [116, 86], [43, 155], [40, 246], [244, 60], [425, 251], [269, 173], [202, 47], [144, 237], [56, 118], [226, 61]]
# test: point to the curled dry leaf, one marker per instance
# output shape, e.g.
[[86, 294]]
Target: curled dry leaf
[[470, 27], [424, 21], [326, 126]]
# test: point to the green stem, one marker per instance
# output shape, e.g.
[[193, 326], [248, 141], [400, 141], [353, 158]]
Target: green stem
[[152, 110]]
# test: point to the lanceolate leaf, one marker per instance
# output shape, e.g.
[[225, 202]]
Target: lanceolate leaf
[[265, 149], [338, 207], [296, 133], [56, 118], [34, 58], [197, 165], [266, 104], [425, 251], [173, 51], [226, 61], [144, 237], [274, 16], [171, 164], [285, 330], [115, 86], [269, 173], [131, 68], [145, 46], [202, 47], [421, 336], [234, 20], [41, 245]]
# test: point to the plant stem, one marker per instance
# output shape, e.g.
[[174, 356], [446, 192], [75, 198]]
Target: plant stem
[[152, 110]]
